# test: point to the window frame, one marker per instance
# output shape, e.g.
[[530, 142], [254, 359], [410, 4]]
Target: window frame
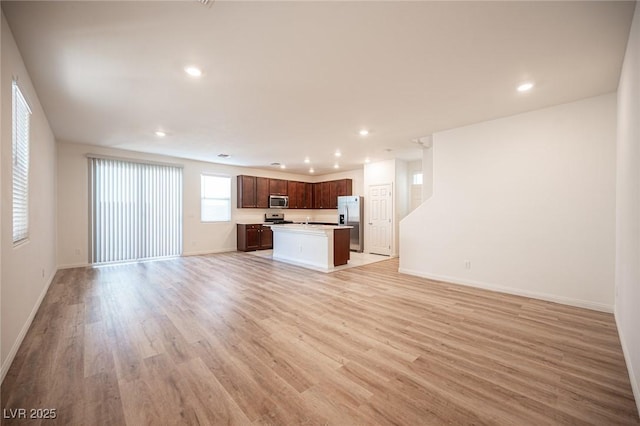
[[203, 175], [414, 178], [20, 156]]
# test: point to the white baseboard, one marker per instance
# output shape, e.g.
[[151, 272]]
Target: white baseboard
[[201, 253], [74, 265], [191, 253], [635, 386], [602, 307], [25, 328]]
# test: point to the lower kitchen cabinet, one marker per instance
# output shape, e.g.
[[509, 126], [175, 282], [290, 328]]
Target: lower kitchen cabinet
[[341, 241], [254, 237]]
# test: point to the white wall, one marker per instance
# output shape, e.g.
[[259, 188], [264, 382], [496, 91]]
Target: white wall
[[427, 172], [529, 200], [27, 269], [198, 237], [627, 299], [402, 200], [415, 191]]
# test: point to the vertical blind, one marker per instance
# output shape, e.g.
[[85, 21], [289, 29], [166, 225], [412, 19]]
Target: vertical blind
[[136, 210], [20, 163]]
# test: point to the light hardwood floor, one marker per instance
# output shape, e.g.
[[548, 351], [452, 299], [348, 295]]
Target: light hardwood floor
[[238, 339]]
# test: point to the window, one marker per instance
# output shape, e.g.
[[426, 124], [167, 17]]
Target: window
[[136, 210], [215, 193], [20, 162], [417, 178]]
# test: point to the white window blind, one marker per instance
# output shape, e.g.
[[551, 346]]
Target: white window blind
[[136, 210], [20, 162], [215, 198]]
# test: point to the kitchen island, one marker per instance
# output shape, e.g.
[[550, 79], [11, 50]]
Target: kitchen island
[[314, 246]]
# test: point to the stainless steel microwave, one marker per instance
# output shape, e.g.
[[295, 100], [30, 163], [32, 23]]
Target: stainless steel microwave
[[278, 202]]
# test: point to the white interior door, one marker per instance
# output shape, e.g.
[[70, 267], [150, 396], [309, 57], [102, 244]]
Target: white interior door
[[380, 219]]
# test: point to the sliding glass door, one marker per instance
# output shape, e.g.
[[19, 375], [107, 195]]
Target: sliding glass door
[[136, 210]]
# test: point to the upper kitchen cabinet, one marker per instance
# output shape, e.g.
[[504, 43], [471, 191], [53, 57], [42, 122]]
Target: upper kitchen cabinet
[[321, 195], [300, 195], [262, 193], [308, 196], [247, 191], [326, 193], [344, 187], [254, 192], [317, 195], [296, 195], [278, 187], [339, 188]]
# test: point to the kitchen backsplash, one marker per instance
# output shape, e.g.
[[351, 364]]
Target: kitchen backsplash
[[296, 215]]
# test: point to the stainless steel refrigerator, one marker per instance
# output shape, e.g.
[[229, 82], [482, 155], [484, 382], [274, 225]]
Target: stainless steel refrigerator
[[351, 213]]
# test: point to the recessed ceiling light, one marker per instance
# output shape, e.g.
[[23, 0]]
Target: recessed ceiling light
[[336, 166], [282, 166], [193, 71], [366, 160], [275, 164], [364, 132], [224, 155], [525, 87], [311, 170], [307, 161], [160, 133], [338, 154]]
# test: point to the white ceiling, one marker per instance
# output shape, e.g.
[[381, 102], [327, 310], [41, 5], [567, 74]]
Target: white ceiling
[[288, 80]]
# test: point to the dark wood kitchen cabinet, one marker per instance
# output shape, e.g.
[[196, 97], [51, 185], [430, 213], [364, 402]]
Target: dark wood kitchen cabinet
[[253, 192], [295, 195], [254, 237], [308, 196], [317, 195], [333, 194], [300, 195], [338, 188], [341, 241], [262, 193], [246, 191], [325, 194], [344, 187], [278, 187]]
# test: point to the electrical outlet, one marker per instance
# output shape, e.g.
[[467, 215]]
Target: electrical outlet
[[42, 272], [467, 264]]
